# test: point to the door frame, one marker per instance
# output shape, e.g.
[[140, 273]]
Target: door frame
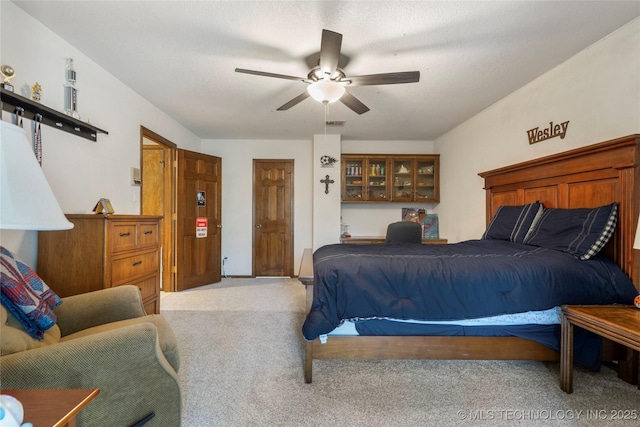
[[169, 218], [291, 202]]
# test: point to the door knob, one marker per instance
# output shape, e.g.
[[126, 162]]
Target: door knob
[[258, 225]]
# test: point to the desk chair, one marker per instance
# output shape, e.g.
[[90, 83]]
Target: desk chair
[[404, 232]]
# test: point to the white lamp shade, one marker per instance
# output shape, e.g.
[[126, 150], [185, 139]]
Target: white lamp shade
[[636, 241], [325, 91], [26, 200]]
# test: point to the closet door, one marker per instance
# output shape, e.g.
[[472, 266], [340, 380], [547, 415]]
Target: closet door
[[273, 217]]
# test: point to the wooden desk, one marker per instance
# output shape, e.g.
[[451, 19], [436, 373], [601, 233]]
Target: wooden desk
[[364, 240], [56, 408], [615, 322]]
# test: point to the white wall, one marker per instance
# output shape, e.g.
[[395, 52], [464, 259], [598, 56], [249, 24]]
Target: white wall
[[237, 186], [80, 171], [237, 189], [598, 91], [326, 206]]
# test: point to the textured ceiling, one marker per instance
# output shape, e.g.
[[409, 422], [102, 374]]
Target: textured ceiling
[[181, 56]]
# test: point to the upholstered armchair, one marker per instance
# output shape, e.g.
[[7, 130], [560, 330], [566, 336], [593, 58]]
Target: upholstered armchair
[[103, 340]]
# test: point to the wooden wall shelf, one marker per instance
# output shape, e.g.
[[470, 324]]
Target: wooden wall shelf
[[11, 102]]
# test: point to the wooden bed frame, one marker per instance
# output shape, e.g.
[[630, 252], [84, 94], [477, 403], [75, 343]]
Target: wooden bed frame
[[586, 177]]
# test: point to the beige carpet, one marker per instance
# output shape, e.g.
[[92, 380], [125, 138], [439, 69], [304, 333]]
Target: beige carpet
[[242, 354]]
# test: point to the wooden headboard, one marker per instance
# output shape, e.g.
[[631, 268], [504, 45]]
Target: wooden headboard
[[585, 177]]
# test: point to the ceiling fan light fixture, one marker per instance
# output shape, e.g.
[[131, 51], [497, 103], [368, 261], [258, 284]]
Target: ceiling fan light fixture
[[326, 91]]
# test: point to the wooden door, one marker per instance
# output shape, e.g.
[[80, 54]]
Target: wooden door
[[198, 242], [153, 171], [273, 217], [158, 195]]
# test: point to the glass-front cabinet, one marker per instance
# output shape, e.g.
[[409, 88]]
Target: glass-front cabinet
[[365, 179], [415, 179], [391, 178]]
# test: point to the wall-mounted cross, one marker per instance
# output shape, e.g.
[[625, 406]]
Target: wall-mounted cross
[[326, 183]]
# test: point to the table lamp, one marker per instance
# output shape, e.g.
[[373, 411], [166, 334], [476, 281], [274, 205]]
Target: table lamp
[[26, 199], [26, 203]]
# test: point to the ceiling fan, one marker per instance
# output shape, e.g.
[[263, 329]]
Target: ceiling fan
[[327, 81]]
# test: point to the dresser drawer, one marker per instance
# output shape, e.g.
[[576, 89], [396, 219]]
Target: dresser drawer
[[148, 234], [148, 286], [152, 306], [123, 236], [125, 269]]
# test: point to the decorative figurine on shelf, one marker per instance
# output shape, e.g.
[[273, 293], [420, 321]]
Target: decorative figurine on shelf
[[8, 73], [36, 92], [70, 91]]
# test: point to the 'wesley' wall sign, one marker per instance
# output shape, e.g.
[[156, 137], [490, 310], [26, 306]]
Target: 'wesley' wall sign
[[537, 134]]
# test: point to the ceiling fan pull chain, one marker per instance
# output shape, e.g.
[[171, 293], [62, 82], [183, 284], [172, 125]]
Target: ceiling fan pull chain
[[326, 106]]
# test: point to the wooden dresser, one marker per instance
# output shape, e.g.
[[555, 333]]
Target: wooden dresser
[[101, 252]]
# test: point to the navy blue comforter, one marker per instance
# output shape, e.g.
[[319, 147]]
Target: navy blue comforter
[[471, 279]]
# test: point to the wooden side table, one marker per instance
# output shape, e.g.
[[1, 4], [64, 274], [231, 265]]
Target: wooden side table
[[615, 322], [56, 408]]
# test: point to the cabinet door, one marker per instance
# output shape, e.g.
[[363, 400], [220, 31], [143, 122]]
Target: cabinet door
[[426, 187], [402, 189], [376, 180], [353, 189]]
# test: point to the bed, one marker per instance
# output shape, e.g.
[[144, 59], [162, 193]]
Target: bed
[[599, 175]]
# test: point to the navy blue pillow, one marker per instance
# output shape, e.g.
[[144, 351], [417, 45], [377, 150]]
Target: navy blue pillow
[[582, 232], [512, 223]]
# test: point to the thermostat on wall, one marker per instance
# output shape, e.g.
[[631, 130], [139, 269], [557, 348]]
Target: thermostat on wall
[[135, 176]]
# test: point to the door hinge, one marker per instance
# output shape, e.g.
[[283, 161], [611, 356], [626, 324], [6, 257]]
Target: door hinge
[[174, 269]]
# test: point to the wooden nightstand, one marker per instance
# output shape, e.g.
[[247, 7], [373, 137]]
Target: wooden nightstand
[[615, 322]]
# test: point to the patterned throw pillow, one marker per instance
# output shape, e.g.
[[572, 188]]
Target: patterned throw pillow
[[512, 223], [26, 296], [582, 232]]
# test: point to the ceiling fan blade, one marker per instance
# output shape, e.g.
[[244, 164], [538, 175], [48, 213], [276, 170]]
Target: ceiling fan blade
[[277, 76], [353, 103], [330, 51], [304, 95], [385, 79]]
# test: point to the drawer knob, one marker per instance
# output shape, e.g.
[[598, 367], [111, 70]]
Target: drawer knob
[[148, 232], [137, 263], [125, 234]]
